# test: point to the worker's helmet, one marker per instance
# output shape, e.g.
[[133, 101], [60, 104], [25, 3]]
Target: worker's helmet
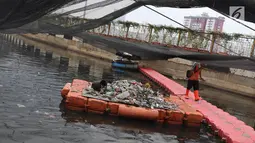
[[195, 65]]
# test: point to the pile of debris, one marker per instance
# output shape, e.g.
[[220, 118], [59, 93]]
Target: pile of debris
[[130, 92]]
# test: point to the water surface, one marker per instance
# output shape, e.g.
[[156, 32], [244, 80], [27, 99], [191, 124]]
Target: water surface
[[32, 111]]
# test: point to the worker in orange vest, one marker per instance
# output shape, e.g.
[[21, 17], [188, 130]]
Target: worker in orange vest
[[193, 80]]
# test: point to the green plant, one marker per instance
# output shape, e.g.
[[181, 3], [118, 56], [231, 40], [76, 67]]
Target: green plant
[[128, 23], [156, 31], [224, 36], [164, 36], [133, 24], [237, 36], [170, 29]]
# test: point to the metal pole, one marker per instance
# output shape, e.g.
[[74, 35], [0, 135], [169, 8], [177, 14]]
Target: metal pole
[[84, 13], [109, 28], [150, 34], [212, 44], [127, 31], [179, 37], [252, 49]]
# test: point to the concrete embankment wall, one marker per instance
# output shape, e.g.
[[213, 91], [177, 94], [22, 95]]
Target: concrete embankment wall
[[70, 45], [238, 81]]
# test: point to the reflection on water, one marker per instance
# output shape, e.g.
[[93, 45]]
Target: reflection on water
[[31, 108]]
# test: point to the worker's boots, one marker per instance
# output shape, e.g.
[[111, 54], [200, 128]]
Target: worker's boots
[[187, 94], [196, 94]]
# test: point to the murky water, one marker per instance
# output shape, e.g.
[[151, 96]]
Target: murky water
[[31, 108]]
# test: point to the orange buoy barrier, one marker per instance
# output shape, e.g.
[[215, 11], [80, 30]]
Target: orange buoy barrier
[[138, 112], [175, 117], [192, 117], [74, 108], [65, 90], [174, 99], [96, 106], [113, 108], [161, 116], [78, 85], [228, 127], [76, 100], [164, 81]]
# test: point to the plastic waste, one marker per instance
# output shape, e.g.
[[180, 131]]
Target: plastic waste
[[131, 92], [147, 85], [21, 106], [123, 95]]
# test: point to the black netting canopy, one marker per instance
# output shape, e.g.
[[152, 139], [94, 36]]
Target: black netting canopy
[[38, 16], [15, 13]]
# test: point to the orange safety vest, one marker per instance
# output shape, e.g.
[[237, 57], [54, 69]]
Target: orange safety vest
[[195, 75]]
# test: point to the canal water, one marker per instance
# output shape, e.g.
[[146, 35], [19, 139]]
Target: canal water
[[32, 110]]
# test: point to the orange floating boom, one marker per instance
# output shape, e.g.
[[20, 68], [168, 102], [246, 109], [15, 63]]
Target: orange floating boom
[[74, 100], [228, 127]]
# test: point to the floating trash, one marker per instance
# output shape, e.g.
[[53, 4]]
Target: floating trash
[[130, 92], [21, 106], [52, 116]]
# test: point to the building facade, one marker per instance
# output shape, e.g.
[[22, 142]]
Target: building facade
[[204, 23]]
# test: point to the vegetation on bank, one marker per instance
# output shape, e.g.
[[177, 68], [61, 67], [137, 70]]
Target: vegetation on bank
[[168, 35]]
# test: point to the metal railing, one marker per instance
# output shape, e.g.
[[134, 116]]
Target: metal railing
[[222, 43]]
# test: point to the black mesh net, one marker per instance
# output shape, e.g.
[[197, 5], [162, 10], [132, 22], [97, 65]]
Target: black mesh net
[[89, 7], [40, 16], [15, 13]]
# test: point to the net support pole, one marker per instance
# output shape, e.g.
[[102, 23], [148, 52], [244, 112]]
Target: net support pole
[[150, 34], [212, 44], [179, 37], [164, 36], [127, 31], [84, 13], [109, 28], [252, 48]]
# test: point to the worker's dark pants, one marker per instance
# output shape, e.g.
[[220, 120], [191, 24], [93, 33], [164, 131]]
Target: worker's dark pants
[[194, 84]]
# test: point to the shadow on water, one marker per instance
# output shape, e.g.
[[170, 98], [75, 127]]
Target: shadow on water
[[32, 111]]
